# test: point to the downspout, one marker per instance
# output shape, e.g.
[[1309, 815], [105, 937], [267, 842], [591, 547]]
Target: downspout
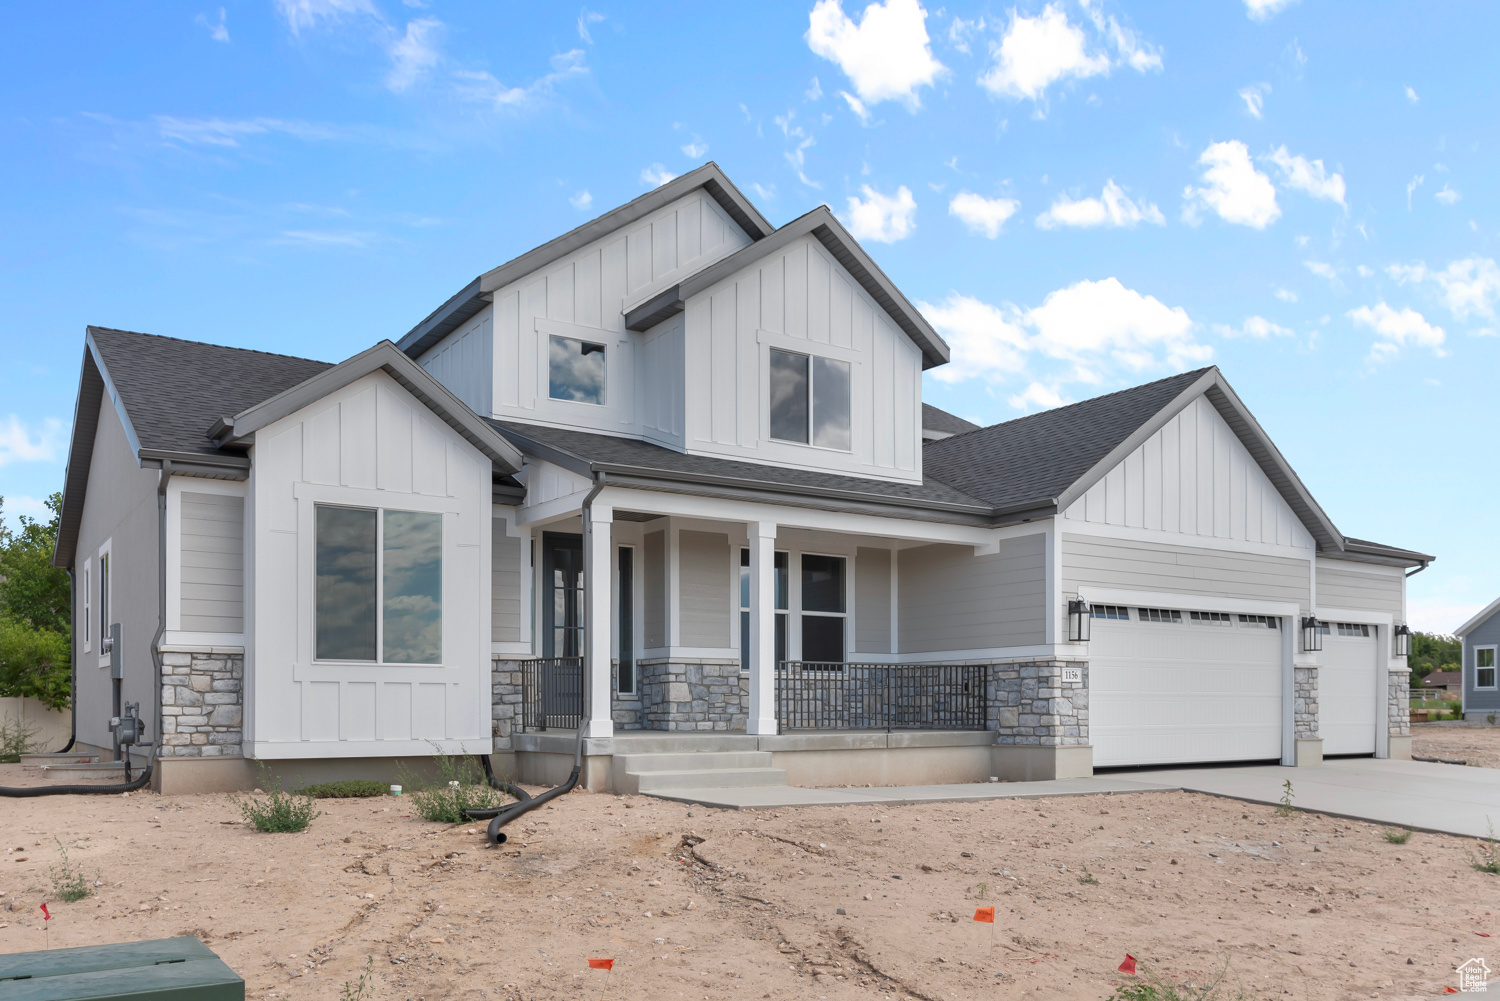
[[1418, 570], [161, 588], [73, 666]]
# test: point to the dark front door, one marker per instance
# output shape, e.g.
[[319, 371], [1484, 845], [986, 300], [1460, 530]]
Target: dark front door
[[562, 625]]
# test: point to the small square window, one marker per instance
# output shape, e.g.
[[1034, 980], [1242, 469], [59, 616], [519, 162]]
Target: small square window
[[575, 370]]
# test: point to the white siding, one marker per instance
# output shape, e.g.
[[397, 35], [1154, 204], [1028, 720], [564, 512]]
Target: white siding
[[213, 563], [1157, 566], [703, 569], [950, 599], [463, 361], [505, 584], [370, 444], [800, 299], [1362, 586], [1193, 477]]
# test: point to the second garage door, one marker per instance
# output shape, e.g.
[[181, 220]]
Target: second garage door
[[1171, 686], [1346, 689]]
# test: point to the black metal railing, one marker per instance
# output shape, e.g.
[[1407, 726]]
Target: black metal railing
[[551, 693], [826, 696]]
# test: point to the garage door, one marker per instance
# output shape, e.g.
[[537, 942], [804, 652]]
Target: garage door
[[1177, 685], [1346, 689]]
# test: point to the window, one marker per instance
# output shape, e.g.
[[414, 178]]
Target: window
[[810, 400], [1169, 615], [780, 589], [1484, 667], [1269, 621], [823, 609], [575, 370], [1353, 629], [379, 586], [1112, 612], [1212, 618], [626, 681], [87, 632], [105, 560]]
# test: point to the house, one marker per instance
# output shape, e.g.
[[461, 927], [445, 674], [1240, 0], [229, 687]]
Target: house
[[1481, 639], [670, 478], [1450, 682]]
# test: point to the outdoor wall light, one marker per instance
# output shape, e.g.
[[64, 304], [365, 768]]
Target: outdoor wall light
[[1312, 634], [1080, 619], [1402, 636]]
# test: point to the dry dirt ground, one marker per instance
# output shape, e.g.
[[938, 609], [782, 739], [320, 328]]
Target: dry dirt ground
[[1477, 745], [848, 902]]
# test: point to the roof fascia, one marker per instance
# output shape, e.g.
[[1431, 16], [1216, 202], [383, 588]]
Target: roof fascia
[[1479, 619], [412, 377], [548, 452], [821, 224], [451, 314]]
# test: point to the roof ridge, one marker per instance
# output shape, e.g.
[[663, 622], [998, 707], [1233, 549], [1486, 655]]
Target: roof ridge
[[206, 344]]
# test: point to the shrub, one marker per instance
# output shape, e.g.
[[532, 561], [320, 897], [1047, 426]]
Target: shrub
[[355, 991], [277, 811], [17, 737], [460, 786], [1151, 987], [1489, 855], [1397, 835], [68, 882], [1088, 878], [345, 789]]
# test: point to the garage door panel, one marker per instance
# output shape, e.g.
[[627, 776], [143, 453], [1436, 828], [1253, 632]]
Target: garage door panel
[[1347, 690]]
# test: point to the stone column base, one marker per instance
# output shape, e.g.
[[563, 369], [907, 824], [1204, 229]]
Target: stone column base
[[1400, 748], [1309, 752], [1030, 763]]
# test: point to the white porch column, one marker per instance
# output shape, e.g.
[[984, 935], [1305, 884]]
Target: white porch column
[[597, 582], [761, 657]]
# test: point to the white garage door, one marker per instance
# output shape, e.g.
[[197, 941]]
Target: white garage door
[[1346, 689], [1175, 685]]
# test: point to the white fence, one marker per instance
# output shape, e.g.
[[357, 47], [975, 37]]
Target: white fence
[[51, 726]]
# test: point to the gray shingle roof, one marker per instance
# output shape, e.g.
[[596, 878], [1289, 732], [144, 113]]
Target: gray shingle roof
[[1030, 461], [174, 390], [936, 419]]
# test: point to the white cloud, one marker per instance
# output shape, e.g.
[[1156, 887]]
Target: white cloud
[[656, 175], [1447, 196], [695, 149], [1309, 176], [1397, 329], [1254, 96], [1411, 95], [798, 160], [1286, 295], [301, 14], [1411, 187], [325, 238], [1134, 52], [16, 505], [481, 86], [1036, 397], [1264, 10], [985, 341], [218, 32], [20, 443], [1323, 270], [766, 191], [814, 91], [221, 132], [1363, 271], [413, 54], [1037, 52], [581, 200], [1112, 208], [1470, 287], [1257, 327], [960, 31], [856, 105], [886, 56], [882, 218], [587, 17], [981, 214], [1234, 188]]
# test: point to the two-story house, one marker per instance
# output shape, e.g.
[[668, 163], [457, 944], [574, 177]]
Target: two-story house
[[669, 478]]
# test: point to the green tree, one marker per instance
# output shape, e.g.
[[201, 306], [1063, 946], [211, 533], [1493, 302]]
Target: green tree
[[35, 612], [1433, 652]]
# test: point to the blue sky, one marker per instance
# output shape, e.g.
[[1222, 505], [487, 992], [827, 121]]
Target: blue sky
[[1082, 196]]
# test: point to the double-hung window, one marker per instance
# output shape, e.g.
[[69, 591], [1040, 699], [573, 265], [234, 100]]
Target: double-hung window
[[810, 400], [106, 561], [1484, 667], [379, 592], [824, 609], [780, 589], [575, 370]]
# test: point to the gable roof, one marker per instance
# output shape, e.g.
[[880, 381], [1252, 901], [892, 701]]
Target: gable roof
[[1438, 679], [822, 224], [1478, 620], [473, 296]]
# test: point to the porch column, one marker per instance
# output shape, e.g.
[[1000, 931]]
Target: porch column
[[597, 583], [761, 657]]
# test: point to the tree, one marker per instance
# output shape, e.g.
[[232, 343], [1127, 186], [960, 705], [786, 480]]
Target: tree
[[35, 612], [1433, 652]]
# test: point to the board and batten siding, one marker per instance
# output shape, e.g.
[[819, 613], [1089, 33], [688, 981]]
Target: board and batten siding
[[1362, 586], [370, 444], [213, 563], [1193, 477], [505, 584], [464, 362], [872, 600], [704, 591], [800, 299], [1128, 564], [950, 599]]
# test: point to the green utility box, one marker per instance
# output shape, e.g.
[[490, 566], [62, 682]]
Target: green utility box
[[168, 969]]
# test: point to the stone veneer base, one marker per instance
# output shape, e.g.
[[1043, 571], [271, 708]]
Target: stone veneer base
[[202, 702]]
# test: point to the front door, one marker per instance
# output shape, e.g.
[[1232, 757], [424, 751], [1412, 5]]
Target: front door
[[562, 628]]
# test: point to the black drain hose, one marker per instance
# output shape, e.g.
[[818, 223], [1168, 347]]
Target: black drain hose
[[501, 816], [22, 792], [521, 795]]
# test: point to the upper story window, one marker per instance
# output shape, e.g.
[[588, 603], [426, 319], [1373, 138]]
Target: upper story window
[[575, 370], [380, 586], [810, 399]]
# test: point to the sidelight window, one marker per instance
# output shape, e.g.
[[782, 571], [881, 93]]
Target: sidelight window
[[379, 590]]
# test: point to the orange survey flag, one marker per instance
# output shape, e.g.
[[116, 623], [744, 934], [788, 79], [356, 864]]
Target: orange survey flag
[[601, 964], [985, 914]]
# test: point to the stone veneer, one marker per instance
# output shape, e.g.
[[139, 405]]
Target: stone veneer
[[1400, 711], [505, 702], [1305, 698], [202, 702], [1031, 704], [695, 695]]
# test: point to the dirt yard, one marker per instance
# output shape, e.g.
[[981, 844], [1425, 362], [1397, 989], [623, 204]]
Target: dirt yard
[[812, 903], [1476, 745]]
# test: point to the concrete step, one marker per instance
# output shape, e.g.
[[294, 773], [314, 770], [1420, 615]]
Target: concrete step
[[695, 760], [53, 758], [63, 774], [650, 783]]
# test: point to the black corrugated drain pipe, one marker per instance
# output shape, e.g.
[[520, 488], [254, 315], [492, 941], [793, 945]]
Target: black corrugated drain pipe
[[22, 792], [501, 816]]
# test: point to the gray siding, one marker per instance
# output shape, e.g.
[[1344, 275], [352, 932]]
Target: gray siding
[[213, 563], [703, 576], [1484, 634], [872, 601], [505, 585], [950, 599], [1156, 566], [1342, 584], [654, 552]]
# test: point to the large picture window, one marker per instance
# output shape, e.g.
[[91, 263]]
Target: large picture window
[[810, 399], [575, 370], [379, 593], [824, 609], [780, 589]]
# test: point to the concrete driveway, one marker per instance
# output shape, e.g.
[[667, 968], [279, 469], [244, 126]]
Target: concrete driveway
[[1452, 799]]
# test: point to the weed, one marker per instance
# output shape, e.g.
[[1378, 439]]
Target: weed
[[1285, 809], [459, 787], [1489, 853], [1490, 719], [1088, 877], [356, 991], [1397, 835], [276, 811], [1152, 987], [68, 882], [17, 737], [346, 789]]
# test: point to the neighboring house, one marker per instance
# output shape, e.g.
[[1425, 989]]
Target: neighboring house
[[1481, 639], [670, 477], [1444, 681]]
